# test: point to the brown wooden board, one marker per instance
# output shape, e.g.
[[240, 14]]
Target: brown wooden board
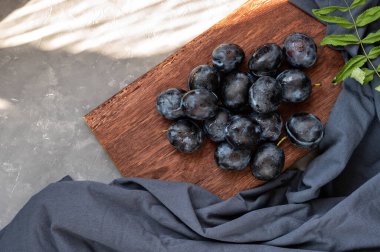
[[133, 133]]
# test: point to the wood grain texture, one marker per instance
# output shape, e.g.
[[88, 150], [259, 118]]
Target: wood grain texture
[[132, 132]]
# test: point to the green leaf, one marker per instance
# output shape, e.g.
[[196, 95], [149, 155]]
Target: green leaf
[[350, 65], [357, 3], [369, 16], [340, 40], [368, 75], [374, 53], [372, 38], [336, 20], [358, 75], [377, 88], [328, 10]]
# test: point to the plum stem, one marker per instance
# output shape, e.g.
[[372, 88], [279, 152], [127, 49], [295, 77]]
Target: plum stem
[[281, 141]]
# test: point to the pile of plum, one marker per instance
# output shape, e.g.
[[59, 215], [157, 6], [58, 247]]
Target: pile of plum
[[238, 110]]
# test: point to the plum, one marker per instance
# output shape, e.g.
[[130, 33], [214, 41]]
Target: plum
[[229, 158], [265, 95], [204, 76], [168, 103], [199, 104], [266, 60], [296, 85], [300, 50], [215, 127], [227, 57], [234, 91], [242, 133], [185, 135], [270, 124], [268, 162], [304, 130]]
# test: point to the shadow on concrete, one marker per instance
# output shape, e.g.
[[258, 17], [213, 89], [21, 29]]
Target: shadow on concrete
[[8, 6], [43, 137], [123, 29]]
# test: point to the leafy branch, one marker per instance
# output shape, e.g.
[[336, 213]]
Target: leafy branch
[[354, 67]]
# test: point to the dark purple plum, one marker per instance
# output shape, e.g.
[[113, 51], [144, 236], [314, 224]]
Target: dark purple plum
[[168, 103], [252, 78], [266, 60], [234, 91], [204, 76], [270, 124], [185, 135], [265, 95], [199, 104], [268, 162], [227, 57], [242, 133], [296, 85], [300, 50], [215, 127], [228, 158], [304, 130]]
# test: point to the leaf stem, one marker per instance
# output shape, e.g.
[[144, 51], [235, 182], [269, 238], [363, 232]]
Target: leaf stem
[[360, 40]]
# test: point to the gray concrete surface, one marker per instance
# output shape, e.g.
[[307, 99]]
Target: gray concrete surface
[[60, 59]]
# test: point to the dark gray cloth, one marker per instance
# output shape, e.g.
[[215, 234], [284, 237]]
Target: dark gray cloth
[[333, 206]]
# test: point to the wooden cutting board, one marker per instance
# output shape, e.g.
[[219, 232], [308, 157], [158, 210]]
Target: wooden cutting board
[[132, 132]]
